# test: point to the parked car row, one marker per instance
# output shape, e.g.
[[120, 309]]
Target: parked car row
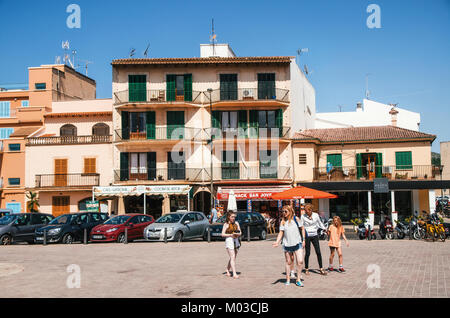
[[98, 227]]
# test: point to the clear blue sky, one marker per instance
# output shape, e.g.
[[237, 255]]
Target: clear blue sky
[[408, 58]]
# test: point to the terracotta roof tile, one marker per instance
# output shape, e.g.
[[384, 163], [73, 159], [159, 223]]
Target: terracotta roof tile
[[205, 60], [24, 131], [370, 133]]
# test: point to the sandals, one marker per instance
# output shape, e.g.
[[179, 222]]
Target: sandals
[[322, 272], [299, 284]]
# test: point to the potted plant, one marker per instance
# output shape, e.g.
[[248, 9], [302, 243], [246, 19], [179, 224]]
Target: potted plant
[[33, 202]]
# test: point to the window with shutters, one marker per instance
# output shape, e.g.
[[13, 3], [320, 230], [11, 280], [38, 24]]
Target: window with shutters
[[335, 160], [266, 86], [403, 160], [100, 129], [228, 87], [179, 87], [68, 130], [302, 159], [60, 205], [5, 109], [230, 164], [176, 165], [137, 88], [90, 166]]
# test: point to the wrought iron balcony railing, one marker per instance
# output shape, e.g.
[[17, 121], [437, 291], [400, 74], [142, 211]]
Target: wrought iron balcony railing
[[249, 94], [161, 133], [158, 96], [397, 172], [67, 180]]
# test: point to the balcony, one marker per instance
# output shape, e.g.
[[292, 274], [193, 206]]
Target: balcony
[[249, 94], [220, 173], [67, 180], [158, 96], [238, 171], [162, 133], [248, 132], [363, 173], [159, 174], [68, 140]]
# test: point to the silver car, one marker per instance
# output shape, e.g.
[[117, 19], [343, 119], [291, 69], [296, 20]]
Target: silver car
[[180, 226]]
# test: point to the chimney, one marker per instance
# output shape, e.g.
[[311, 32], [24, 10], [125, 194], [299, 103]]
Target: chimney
[[393, 114], [359, 107]]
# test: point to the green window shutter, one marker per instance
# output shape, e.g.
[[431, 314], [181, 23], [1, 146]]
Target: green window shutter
[[170, 87], [188, 87], [242, 123], [151, 165], [124, 166], [266, 86], [150, 125], [279, 121], [125, 125], [335, 160], [358, 165], [175, 122], [403, 160], [215, 123], [379, 165], [253, 124], [137, 88], [228, 86]]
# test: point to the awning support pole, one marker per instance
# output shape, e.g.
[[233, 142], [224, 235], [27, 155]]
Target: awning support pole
[[145, 203]]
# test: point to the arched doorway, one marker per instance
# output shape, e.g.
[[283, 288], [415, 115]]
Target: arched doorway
[[202, 202]]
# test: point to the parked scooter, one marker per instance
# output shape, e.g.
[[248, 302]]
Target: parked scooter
[[386, 229], [365, 231]]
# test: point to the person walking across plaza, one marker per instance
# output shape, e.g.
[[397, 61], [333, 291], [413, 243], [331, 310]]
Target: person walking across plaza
[[231, 231], [311, 221], [292, 242], [335, 231]]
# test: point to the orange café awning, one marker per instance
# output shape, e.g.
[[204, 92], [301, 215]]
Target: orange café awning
[[302, 193]]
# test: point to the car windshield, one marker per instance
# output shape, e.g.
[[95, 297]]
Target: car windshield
[[7, 219], [120, 219], [63, 219], [170, 218], [239, 218]]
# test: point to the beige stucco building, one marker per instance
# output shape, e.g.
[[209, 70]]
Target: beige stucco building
[[70, 155], [22, 112], [167, 109]]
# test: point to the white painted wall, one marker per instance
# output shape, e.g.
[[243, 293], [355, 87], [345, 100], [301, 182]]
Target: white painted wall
[[222, 50], [373, 114]]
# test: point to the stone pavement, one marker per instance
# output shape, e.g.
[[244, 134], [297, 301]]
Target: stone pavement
[[196, 269]]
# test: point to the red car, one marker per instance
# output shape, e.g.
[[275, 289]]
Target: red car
[[114, 228]]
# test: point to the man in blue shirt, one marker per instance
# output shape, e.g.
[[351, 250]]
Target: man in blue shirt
[[213, 216]]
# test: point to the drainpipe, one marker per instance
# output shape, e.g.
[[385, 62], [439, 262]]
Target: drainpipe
[[294, 181]]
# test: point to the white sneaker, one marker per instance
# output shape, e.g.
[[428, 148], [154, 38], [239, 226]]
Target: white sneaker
[[293, 274]]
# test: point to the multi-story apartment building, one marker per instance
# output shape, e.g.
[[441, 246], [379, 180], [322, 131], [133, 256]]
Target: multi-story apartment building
[[346, 161], [170, 114], [22, 112], [69, 155]]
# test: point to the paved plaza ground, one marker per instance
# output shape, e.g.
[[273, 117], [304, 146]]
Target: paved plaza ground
[[196, 269]]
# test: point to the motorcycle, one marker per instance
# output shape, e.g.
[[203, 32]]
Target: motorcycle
[[365, 231], [386, 230], [402, 230]]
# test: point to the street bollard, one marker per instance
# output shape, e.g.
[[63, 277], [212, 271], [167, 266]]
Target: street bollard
[[209, 234], [85, 237], [45, 237], [165, 235], [126, 236], [248, 233]]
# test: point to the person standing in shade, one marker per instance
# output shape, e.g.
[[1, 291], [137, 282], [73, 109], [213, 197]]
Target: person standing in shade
[[292, 242], [231, 231], [312, 223], [213, 216]]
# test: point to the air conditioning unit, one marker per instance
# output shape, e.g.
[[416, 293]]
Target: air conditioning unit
[[387, 169], [247, 94]]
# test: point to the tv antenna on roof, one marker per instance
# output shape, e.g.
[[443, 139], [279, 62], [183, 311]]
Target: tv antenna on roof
[[132, 51], [300, 51], [86, 63], [367, 86], [66, 46], [146, 51], [212, 38]]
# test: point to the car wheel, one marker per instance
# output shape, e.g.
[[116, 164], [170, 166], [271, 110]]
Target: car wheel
[[178, 236], [121, 238], [5, 239], [67, 239], [263, 235]]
